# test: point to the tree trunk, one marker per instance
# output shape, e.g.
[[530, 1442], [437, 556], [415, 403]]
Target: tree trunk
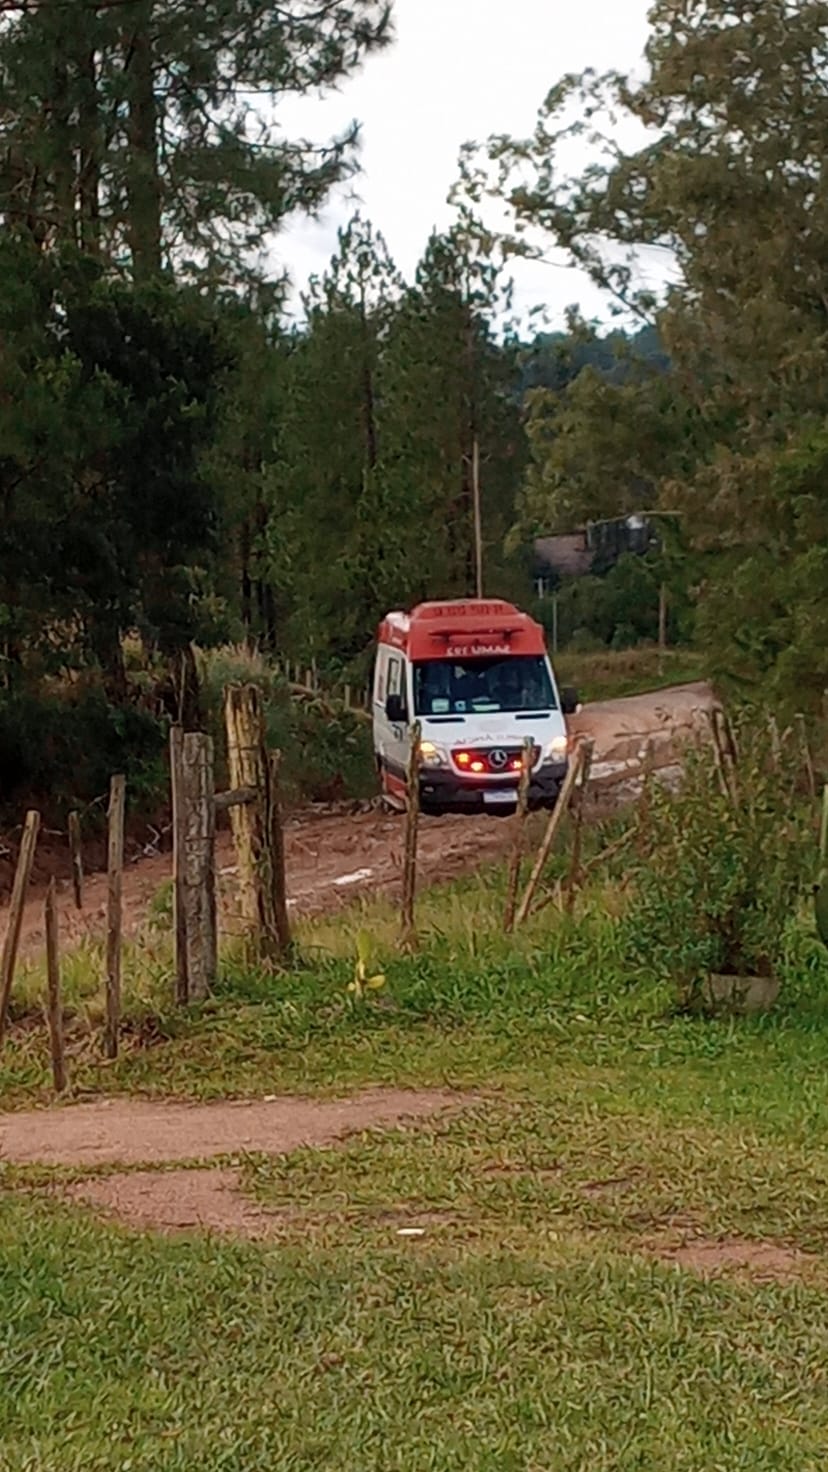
[[265, 601], [63, 232], [143, 183], [89, 177], [105, 639], [368, 398], [246, 582], [188, 688]]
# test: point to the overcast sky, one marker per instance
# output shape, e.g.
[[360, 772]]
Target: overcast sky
[[458, 70]]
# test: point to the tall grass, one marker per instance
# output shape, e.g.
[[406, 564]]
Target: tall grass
[[327, 751], [611, 675]]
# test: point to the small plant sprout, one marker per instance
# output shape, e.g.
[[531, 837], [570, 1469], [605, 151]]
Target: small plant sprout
[[364, 982]]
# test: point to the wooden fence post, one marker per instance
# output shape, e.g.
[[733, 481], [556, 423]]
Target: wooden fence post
[[242, 719], [274, 875], [76, 852], [556, 818], [182, 985], [198, 881], [574, 878], [412, 823], [114, 913], [257, 826], [22, 875], [513, 881], [55, 1010], [725, 752]]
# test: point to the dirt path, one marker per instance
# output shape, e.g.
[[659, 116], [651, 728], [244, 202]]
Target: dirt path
[[334, 857], [169, 1193], [136, 1132], [143, 1132]]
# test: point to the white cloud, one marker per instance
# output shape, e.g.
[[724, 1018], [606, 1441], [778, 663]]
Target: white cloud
[[459, 70]]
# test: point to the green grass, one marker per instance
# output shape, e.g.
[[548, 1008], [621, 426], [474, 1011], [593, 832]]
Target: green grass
[[129, 1353], [535, 1326], [612, 674]]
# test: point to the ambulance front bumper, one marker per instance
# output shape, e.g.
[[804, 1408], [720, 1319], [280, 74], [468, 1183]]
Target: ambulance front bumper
[[446, 791]]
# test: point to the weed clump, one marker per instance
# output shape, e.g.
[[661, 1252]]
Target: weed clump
[[723, 865]]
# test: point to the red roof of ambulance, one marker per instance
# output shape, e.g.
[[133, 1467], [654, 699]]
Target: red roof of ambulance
[[462, 628]]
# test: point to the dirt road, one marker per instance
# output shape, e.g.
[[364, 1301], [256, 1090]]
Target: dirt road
[[331, 858]]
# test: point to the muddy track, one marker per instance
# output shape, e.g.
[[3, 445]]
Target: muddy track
[[334, 857]]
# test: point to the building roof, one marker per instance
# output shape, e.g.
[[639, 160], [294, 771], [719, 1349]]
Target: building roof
[[568, 555]]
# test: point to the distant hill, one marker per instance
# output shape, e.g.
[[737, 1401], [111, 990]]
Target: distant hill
[[554, 359]]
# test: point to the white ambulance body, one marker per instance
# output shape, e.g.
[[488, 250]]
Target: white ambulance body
[[476, 675]]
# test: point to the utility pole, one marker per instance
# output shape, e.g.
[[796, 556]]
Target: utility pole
[[478, 521], [662, 617]]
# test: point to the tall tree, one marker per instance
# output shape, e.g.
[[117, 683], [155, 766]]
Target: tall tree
[[328, 448], [148, 128], [108, 399], [450, 392], [604, 441], [728, 186]]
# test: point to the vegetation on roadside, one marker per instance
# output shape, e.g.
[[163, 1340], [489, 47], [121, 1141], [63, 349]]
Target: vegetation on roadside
[[59, 747], [607, 1152], [601, 1132], [183, 469], [614, 674], [684, 885], [728, 858]]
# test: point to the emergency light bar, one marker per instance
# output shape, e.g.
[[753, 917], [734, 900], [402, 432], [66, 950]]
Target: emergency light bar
[[476, 631], [463, 629]]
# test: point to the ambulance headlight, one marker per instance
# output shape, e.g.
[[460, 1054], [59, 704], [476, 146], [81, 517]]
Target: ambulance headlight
[[433, 756], [557, 749]]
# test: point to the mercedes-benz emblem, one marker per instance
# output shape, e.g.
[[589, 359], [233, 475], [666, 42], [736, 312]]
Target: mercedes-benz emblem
[[498, 760]]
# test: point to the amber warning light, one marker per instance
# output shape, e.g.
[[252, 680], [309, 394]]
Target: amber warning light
[[479, 761]]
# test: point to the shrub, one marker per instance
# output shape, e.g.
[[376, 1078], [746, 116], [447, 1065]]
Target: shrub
[[60, 744], [720, 882], [327, 753], [59, 750]]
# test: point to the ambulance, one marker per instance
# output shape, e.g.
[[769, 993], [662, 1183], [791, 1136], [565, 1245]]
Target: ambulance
[[476, 676]]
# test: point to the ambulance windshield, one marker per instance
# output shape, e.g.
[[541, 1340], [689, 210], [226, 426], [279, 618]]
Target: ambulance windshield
[[514, 683]]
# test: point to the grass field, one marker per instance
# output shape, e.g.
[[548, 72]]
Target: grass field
[[612, 674], [541, 1323]]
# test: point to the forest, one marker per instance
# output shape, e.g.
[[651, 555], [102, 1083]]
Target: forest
[[186, 468]]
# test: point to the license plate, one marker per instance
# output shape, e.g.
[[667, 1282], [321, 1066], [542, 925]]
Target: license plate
[[499, 799]]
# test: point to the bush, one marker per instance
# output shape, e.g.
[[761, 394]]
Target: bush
[[720, 883], [60, 744], [59, 750], [327, 753], [620, 609]]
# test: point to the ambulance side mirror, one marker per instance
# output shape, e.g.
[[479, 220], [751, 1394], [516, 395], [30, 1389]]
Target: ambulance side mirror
[[396, 711], [569, 702]]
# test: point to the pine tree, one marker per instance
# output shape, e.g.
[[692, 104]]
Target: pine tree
[[329, 446], [146, 129], [450, 395], [728, 187]]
